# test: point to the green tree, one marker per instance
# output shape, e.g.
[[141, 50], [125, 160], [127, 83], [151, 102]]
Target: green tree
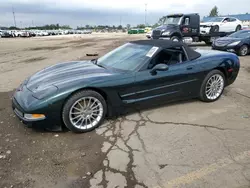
[[155, 25], [141, 26], [13, 28], [128, 26], [214, 12], [119, 27]]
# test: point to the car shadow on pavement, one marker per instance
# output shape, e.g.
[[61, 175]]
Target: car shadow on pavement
[[145, 107]]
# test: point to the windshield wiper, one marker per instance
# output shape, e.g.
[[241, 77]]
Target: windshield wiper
[[94, 61], [99, 65]]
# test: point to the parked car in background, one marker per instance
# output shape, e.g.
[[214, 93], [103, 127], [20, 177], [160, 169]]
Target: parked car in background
[[238, 42], [221, 24], [25, 34], [18, 33], [87, 31], [6, 34], [149, 34]]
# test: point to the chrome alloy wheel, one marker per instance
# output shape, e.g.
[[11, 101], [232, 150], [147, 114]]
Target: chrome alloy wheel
[[244, 50], [214, 86], [86, 113]]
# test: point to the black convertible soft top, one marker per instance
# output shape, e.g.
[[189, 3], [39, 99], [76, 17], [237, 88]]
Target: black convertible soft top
[[165, 44]]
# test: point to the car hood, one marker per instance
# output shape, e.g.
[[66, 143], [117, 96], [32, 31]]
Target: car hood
[[64, 73], [226, 40], [210, 23], [209, 53]]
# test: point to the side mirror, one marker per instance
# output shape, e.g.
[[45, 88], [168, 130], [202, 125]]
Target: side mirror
[[159, 67]]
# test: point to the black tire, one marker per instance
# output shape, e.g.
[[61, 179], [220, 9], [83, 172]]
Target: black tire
[[203, 97], [67, 106], [175, 38], [216, 28], [243, 51], [238, 28], [208, 42]]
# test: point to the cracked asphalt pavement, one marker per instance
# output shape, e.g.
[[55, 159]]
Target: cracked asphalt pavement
[[183, 144]]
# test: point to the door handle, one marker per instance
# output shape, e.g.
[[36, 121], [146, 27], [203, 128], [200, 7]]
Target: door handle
[[189, 68]]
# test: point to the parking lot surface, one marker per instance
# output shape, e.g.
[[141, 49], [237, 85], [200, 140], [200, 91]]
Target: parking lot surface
[[181, 144]]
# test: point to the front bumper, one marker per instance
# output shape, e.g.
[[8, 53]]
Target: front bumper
[[17, 109], [24, 103], [226, 48]]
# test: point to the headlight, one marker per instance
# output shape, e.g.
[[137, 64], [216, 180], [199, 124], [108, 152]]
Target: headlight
[[166, 33], [45, 92], [234, 43]]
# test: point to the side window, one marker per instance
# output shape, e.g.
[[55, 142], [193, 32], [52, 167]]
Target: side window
[[186, 21], [226, 20], [168, 57], [232, 20]]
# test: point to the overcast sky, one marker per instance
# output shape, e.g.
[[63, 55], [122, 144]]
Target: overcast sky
[[111, 12]]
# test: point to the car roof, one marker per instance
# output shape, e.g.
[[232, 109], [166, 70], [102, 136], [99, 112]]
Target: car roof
[[167, 44]]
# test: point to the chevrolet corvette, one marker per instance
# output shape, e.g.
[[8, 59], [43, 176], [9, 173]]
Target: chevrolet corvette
[[80, 94]]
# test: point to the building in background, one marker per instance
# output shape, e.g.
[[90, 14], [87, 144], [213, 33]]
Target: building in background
[[245, 18]]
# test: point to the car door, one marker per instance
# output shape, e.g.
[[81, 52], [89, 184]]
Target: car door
[[176, 82], [232, 24], [225, 25]]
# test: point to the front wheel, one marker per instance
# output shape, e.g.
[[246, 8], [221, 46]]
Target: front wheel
[[243, 51], [84, 111], [176, 38], [212, 86], [216, 28], [208, 42]]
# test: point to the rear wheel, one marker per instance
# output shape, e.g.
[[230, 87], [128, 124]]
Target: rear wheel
[[243, 50], [212, 86], [84, 111], [238, 28]]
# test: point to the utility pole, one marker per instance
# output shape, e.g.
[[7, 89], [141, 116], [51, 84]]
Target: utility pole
[[146, 14], [120, 20], [14, 16]]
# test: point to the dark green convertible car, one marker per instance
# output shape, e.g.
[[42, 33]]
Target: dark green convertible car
[[81, 94]]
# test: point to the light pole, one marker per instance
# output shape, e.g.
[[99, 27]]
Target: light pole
[[14, 17], [146, 14]]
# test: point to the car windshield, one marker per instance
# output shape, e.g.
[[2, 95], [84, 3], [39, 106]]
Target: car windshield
[[241, 34], [172, 20], [126, 57], [215, 19]]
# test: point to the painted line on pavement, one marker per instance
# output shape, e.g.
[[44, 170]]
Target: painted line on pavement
[[206, 170]]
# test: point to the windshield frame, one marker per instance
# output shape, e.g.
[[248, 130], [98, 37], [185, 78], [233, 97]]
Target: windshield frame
[[137, 68]]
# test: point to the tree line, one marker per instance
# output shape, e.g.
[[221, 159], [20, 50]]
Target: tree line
[[45, 27]]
